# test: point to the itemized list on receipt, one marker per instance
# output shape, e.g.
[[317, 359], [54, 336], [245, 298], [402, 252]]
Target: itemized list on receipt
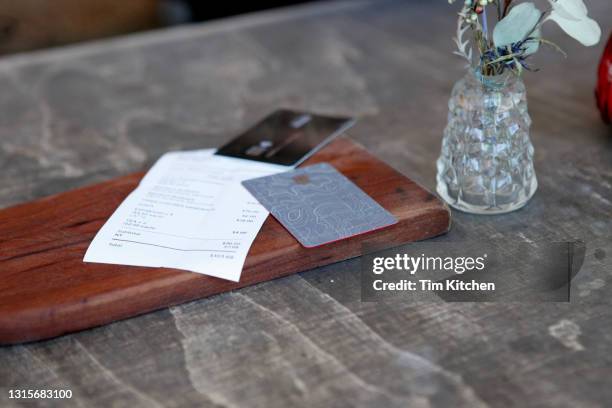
[[189, 212]]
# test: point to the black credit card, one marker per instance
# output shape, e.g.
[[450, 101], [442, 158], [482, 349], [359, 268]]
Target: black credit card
[[286, 137]]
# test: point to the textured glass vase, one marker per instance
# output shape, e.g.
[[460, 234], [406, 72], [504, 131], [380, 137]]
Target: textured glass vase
[[486, 163]]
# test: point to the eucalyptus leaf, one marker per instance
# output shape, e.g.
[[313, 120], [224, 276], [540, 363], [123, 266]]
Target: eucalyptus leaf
[[517, 25], [570, 9], [571, 15], [532, 46], [586, 31]]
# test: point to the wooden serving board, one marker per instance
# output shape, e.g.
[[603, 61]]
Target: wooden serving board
[[46, 290]]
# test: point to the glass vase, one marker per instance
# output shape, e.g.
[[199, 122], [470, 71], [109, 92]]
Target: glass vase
[[486, 163]]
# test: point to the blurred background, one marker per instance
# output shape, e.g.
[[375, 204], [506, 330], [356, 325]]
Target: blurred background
[[34, 24]]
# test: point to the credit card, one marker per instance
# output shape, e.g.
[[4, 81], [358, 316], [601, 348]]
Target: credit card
[[318, 205], [286, 137]]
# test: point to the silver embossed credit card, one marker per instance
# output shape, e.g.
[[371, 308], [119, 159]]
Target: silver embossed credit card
[[319, 205]]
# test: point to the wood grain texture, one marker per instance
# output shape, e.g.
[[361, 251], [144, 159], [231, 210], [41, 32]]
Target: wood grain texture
[[76, 116], [46, 290]]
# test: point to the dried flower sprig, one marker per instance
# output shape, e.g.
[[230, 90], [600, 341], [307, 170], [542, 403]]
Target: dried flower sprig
[[517, 33], [462, 45]]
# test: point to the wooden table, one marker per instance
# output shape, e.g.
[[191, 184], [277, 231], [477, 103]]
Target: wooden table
[[74, 116]]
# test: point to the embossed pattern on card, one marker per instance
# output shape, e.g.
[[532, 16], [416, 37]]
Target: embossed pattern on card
[[319, 205]]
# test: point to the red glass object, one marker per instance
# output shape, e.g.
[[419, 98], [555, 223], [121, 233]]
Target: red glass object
[[604, 83]]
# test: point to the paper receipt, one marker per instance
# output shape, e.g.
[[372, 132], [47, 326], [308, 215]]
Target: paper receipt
[[189, 212]]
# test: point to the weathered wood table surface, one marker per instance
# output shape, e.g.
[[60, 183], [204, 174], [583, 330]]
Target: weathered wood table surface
[[74, 116]]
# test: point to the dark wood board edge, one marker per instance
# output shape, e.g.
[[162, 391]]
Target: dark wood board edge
[[171, 288]]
